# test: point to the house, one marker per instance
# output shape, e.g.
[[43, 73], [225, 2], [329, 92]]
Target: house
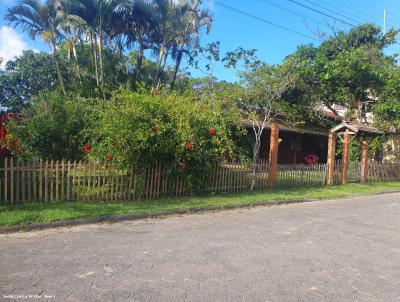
[[295, 142], [391, 148]]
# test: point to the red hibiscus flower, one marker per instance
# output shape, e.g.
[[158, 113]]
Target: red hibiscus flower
[[87, 148], [189, 145]]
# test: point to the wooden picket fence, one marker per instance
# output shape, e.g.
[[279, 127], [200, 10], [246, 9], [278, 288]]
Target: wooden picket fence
[[383, 172], [47, 181], [354, 173]]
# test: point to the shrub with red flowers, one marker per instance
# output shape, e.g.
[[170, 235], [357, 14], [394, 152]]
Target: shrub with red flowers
[[142, 130]]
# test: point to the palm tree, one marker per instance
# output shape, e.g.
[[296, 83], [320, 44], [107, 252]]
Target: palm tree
[[95, 18], [165, 33], [188, 25], [135, 20], [40, 19]]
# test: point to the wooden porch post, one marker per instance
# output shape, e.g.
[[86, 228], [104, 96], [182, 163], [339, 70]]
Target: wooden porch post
[[273, 156], [331, 158], [364, 160], [346, 157]]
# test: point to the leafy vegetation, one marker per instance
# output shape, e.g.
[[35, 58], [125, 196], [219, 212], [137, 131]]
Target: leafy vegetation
[[144, 129], [116, 80]]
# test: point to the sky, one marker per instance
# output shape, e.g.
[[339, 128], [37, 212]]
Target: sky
[[274, 27]]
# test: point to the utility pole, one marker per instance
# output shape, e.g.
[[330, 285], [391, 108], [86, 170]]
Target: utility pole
[[384, 21]]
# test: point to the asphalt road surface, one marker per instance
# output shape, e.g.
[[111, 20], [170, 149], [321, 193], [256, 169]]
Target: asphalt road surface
[[341, 250]]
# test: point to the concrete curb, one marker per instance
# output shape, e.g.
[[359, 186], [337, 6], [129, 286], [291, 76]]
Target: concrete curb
[[158, 214]]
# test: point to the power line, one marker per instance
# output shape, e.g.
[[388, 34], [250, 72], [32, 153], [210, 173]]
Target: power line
[[327, 3], [322, 13], [336, 10], [332, 11], [394, 15], [263, 20], [359, 8], [293, 12]]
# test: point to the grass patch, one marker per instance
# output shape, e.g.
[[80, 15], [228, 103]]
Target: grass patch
[[47, 212]]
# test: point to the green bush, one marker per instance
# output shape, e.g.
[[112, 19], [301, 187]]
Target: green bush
[[53, 128], [142, 130]]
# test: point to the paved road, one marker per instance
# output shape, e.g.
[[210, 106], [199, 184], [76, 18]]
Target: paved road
[[345, 250]]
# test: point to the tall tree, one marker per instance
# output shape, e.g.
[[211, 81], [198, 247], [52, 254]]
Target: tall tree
[[188, 26], [349, 70], [40, 19], [134, 20], [95, 18], [26, 76], [260, 102]]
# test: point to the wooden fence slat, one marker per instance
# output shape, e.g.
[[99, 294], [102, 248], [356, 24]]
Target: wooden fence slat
[[51, 180], [112, 183], [69, 178], [5, 180], [24, 189], [28, 173], [46, 180], [57, 196], [12, 180], [86, 181], [62, 196], [17, 182]]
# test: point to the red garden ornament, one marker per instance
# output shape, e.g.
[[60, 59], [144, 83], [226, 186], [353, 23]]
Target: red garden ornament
[[109, 156], [311, 159], [212, 131], [87, 148]]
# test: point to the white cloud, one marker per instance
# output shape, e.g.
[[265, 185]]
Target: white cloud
[[11, 43]]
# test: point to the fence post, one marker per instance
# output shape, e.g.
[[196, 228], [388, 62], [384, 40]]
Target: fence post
[[364, 160], [273, 155], [346, 157], [331, 158]]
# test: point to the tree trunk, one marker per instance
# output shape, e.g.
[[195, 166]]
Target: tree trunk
[[177, 65], [256, 151], [160, 59], [93, 47], [58, 68], [78, 70], [165, 61], [139, 60], [101, 59]]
